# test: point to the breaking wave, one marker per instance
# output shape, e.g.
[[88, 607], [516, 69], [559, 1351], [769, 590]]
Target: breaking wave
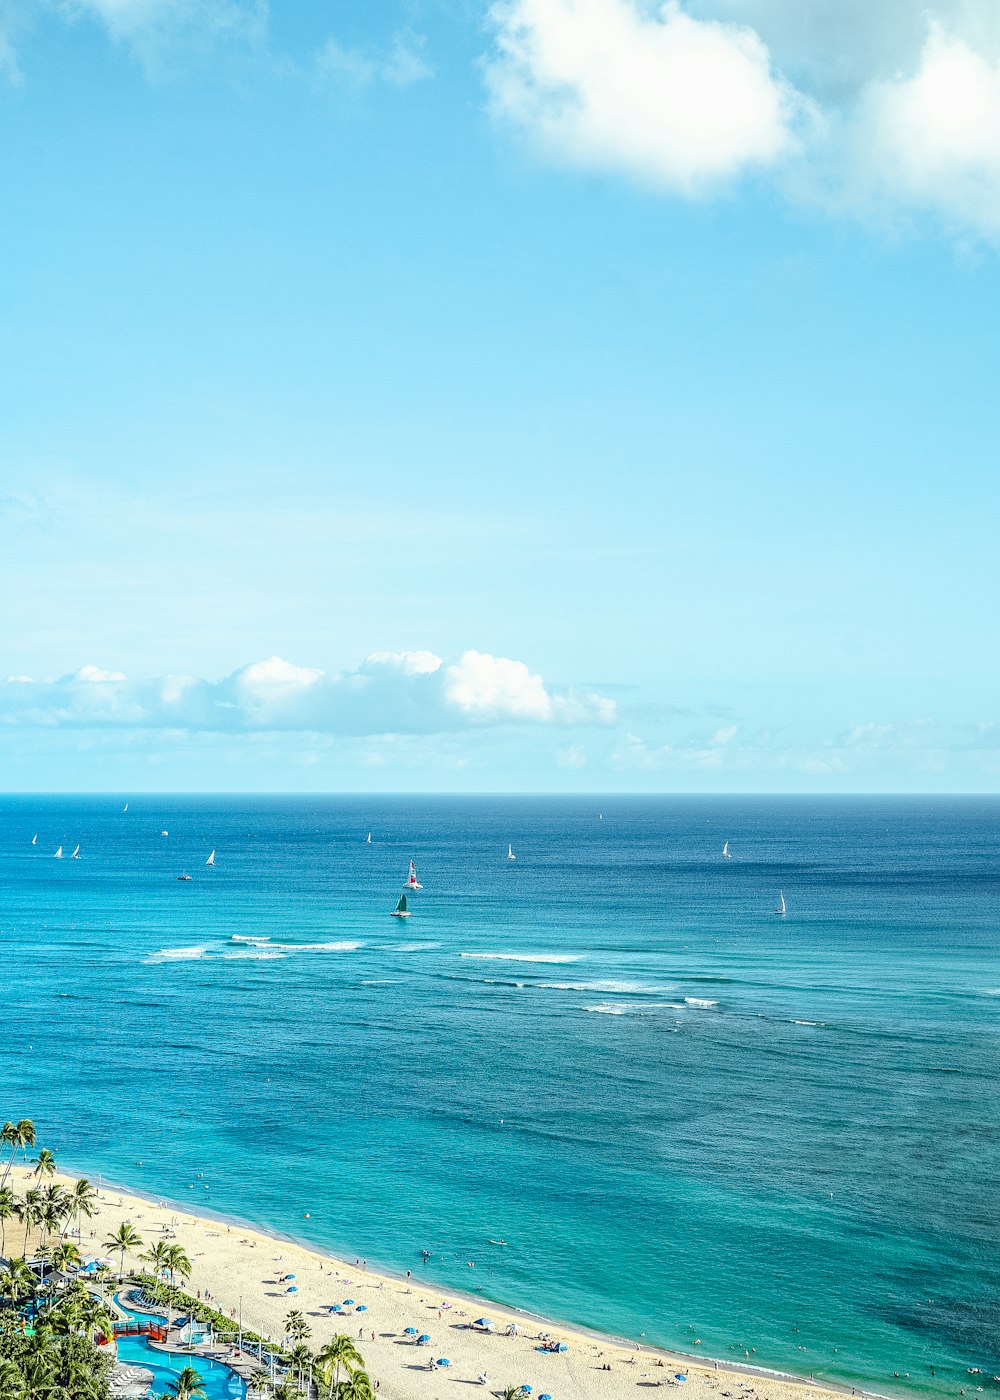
[[526, 957]]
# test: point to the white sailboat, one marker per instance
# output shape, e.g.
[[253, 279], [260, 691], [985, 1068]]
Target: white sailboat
[[58, 854], [164, 833], [211, 859], [369, 839], [125, 808], [76, 853], [411, 879], [34, 839], [782, 906], [401, 911], [727, 852], [510, 852]]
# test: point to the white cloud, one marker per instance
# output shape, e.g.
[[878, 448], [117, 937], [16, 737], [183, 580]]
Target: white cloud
[[391, 692], [671, 99], [401, 63], [933, 136], [158, 31], [867, 108]]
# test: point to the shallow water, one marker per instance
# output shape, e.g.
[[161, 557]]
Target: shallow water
[[687, 1117]]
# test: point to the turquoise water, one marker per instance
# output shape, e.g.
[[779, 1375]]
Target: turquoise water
[[218, 1382], [687, 1117]]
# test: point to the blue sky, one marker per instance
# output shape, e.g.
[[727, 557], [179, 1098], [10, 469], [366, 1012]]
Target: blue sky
[[552, 394]]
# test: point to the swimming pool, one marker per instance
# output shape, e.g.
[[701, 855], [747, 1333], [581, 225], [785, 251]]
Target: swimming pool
[[219, 1381]]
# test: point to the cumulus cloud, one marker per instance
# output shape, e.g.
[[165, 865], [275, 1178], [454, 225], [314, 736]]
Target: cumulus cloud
[[672, 99], [389, 693], [869, 108]]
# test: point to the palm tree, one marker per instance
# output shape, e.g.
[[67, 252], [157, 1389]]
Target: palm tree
[[83, 1201], [54, 1209], [187, 1386], [296, 1326], [123, 1239], [513, 1392], [157, 1256], [301, 1358], [12, 1385], [31, 1213], [357, 1386], [339, 1351], [66, 1256], [16, 1135], [45, 1164], [9, 1210], [17, 1281]]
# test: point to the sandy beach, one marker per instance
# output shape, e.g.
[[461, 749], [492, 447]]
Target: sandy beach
[[240, 1269]]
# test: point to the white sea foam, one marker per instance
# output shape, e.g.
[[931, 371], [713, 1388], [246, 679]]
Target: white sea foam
[[250, 938], [250, 955], [807, 1023], [633, 1008], [415, 947], [622, 988], [699, 1001], [526, 957], [188, 954]]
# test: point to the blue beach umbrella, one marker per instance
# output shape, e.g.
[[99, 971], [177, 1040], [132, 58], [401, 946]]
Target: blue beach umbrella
[[482, 1322], [289, 1276], [335, 1308], [362, 1307], [680, 1377], [545, 1397], [525, 1389], [423, 1337], [443, 1361], [293, 1289], [348, 1302], [409, 1331]]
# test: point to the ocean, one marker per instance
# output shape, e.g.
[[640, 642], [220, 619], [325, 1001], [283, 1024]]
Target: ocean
[[691, 1120]]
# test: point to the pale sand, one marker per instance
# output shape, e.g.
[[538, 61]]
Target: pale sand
[[234, 1262]]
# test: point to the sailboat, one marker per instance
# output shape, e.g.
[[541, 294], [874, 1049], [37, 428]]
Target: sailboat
[[727, 852], [76, 853], [401, 911], [369, 840], [125, 808], [34, 839], [510, 853], [211, 859], [58, 854], [782, 906], [411, 879]]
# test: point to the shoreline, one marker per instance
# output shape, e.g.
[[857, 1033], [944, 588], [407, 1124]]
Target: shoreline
[[400, 1300]]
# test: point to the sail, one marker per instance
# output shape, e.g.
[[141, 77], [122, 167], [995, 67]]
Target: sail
[[725, 849], [58, 854], [76, 853], [125, 808], [401, 906], [34, 839], [510, 853], [411, 880], [782, 906], [211, 859], [369, 838]]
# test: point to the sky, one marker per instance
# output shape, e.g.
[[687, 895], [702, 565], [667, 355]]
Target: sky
[[540, 395]]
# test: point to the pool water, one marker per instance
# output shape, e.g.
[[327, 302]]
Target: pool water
[[219, 1381]]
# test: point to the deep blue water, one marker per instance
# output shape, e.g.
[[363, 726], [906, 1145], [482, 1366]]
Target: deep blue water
[[688, 1117]]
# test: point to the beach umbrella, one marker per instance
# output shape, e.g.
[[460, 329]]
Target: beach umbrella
[[423, 1337], [525, 1389], [293, 1289], [409, 1331], [362, 1307], [289, 1276], [443, 1361], [545, 1397], [561, 1346], [348, 1302], [680, 1377], [482, 1322], [335, 1308]]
